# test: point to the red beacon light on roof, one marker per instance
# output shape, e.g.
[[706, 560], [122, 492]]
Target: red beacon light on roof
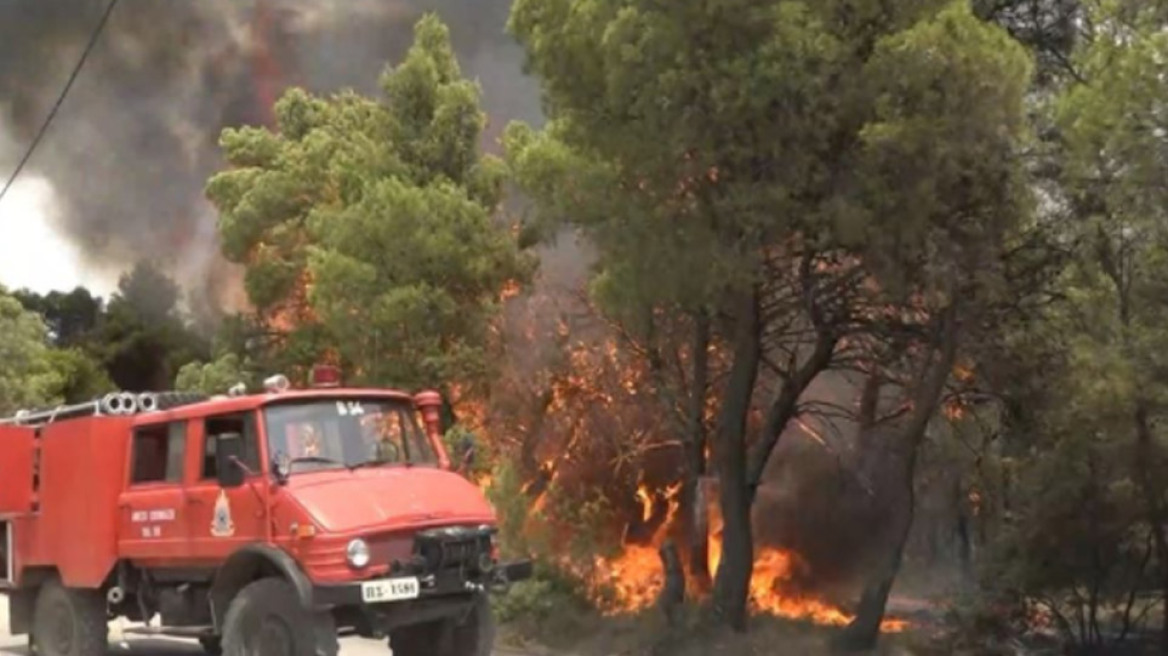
[[325, 375]]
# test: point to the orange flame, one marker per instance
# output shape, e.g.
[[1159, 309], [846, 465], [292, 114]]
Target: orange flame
[[954, 410], [771, 589], [596, 377], [634, 579], [646, 502]]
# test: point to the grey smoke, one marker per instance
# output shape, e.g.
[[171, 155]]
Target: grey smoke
[[131, 148]]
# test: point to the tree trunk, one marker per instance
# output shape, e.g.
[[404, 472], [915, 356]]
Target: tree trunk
[[1145, 452], [964, 546], [863, 631], [447, 415], [786, 406], [732, 581], [672, 594], [861, 634], [1146, 457], [694, 504]]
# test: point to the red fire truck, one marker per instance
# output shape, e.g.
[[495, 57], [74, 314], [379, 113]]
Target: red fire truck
[[269, 522]]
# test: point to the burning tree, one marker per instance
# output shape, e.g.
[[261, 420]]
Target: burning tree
[[777, 169], [367, 226]]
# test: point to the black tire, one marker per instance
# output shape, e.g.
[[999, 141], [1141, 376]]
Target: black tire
[[473, 635], [69, 622], [212, 645], [266, 619], [416, 639], [476, 635]]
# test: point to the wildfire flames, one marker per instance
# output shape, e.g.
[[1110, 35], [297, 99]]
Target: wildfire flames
[[566, 444], [636, 577]]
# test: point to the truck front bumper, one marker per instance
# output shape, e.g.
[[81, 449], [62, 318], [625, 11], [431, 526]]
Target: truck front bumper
[[431, 586]]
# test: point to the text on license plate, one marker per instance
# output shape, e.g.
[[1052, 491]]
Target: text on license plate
[[389, 590]]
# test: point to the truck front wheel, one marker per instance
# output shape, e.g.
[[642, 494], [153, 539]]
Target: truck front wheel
[[69, 622], [472, 635], [266, 619], [213, 646]]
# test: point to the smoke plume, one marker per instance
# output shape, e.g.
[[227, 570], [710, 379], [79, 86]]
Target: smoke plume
[[135, 141]]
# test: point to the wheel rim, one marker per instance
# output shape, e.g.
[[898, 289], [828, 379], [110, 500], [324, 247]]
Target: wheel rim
[[275, 638], [60, 638]]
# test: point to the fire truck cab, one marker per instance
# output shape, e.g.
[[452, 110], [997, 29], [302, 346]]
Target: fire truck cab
[[269, 522]]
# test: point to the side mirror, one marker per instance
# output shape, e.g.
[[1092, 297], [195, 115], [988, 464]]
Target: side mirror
[[281, 467], [228, 466]]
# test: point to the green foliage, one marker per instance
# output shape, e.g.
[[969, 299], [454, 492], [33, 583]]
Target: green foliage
[[27, 375], [1080, 537], [549, 593], [71, 316], [590, 514], [1080, 515], [549, 608], [366, 226], [136, 341], [553, 605], [214, 377], [687, 139], [457, 439], [81, 375], [1077, 546], [515, 513], [143, 337]]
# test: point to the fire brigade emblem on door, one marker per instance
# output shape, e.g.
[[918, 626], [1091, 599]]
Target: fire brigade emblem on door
[[221, 524]]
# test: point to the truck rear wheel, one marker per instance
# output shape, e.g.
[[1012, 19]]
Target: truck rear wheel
[[266, 619], [69, 622], [473, 636]]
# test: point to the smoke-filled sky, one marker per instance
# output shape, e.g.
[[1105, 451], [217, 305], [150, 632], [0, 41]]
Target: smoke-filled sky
[[120, 174]]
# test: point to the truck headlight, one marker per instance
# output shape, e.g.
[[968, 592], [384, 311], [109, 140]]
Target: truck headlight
[[357, 553]]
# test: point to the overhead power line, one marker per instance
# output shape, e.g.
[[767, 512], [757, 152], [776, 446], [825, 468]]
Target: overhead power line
[[60, 99]]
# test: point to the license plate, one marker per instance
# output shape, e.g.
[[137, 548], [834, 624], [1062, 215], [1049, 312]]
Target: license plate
[[373, 592]]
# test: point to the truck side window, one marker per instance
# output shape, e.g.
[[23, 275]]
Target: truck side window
[[243, 424], [158, 454]]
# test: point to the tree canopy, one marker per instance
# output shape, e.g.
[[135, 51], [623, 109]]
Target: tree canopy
[[367, 226]]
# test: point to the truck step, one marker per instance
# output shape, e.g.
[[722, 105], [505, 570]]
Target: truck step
[[172, 631]]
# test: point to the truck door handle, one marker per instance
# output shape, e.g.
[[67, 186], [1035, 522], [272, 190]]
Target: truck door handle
[[194, 500]]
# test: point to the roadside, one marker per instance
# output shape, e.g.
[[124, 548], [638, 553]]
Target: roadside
[[151, 646]]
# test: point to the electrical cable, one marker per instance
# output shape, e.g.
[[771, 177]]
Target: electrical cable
[[53, 112]]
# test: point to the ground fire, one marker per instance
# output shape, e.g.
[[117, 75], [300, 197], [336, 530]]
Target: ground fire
[[636, 577], [593, 428]]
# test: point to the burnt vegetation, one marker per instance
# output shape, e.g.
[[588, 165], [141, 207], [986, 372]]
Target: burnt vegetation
[[847, 313]]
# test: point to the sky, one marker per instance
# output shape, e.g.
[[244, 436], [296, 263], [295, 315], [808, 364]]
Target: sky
[[33, 254], [120, 174]]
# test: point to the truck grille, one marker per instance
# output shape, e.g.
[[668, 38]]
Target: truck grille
[[454, 547]]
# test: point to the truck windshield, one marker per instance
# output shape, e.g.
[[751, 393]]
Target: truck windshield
[[349, 432]]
